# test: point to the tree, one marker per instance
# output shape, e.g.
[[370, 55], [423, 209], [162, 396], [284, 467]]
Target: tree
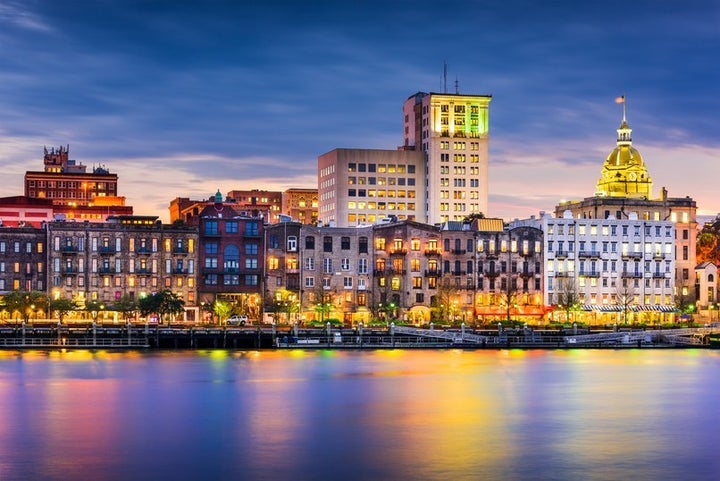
[[625, 298], [285, 302], [509, 296], [94, 307], [163, 303], [448, 294], [126, 305], [222, 309], [62, 306], [24, 302], [567, 297]]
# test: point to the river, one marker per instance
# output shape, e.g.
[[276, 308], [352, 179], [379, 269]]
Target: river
[[639, 414]]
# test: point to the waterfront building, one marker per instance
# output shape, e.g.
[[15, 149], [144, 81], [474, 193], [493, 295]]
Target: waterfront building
[[364, 186], [231, 257], [283, 289], [125, 256], [335, 272], [301, 205], [407, 270], [76, 193], [23, 259], [452, 132], [608, 270], [624, 191], [706, 288], [493, 273]]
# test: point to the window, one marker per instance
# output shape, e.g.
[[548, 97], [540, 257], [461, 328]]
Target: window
[[345, 264], [309, 282], [347, 282], [211, 227], [309, 242], [251, 229], [251, 249], [327, 244], [231, 227], [292, 243], [363, 245], [362, 266], [345, 243]]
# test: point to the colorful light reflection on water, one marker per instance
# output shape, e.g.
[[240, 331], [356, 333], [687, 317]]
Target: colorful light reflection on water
[[350, 415]]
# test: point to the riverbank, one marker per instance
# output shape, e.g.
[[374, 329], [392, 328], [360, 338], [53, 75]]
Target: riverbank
[[154, 337]]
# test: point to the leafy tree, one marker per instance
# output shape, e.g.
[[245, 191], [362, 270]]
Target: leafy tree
[[285, 302], [62, 306], [24, 302], [126, 305], [448, 292], [163, 303], [222, 309], [93, 307]]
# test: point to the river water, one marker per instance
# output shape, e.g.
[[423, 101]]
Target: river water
[[630, 414]]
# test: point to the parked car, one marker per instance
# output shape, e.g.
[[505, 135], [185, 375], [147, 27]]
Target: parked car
[[236, 320]]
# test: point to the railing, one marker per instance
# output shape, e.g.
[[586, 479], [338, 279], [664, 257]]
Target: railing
[[590, 273], [107, 250], [432, 273], [433, 252], [589, 253], [634, 274]]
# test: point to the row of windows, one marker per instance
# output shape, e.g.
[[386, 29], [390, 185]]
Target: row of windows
[[232, 280], [401, 181], [115, 244], [606, 230], [28, 270], [381, 168], [130, 282], [381, 205], [212, 227], [19, 246], [18, 284]]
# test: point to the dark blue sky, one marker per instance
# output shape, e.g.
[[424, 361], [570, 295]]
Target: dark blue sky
[[238, 94]]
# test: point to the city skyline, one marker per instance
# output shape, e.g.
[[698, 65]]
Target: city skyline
[[225, 96]]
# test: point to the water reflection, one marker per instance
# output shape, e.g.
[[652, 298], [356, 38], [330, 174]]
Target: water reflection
[[389, 414]]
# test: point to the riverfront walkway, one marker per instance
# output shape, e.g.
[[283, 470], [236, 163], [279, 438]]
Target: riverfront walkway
[[153, 337]]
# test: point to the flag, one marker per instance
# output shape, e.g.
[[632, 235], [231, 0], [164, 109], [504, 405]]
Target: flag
[[620, 100]]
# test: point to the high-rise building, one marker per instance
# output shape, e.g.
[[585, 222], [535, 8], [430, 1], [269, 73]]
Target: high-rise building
[[363, 186], [452, 131]]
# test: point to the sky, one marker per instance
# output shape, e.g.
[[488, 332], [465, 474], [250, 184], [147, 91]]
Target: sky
[[182, 98]]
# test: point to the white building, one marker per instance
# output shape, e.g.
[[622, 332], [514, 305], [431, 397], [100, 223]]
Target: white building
[[610, 268]]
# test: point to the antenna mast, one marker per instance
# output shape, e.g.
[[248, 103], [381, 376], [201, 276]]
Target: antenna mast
[[444, 77]]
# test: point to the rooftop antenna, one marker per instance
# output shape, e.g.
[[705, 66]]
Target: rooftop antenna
[[444, 77], [457, 86]]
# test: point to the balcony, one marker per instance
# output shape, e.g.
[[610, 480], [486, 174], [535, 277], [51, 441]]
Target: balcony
[[379, 272], [595, 254], [562, 274], [69, 270], [143, 271], [490, 254], [590, 273], [526, 273], [458, 252], [658, 255], [107, 270], [179, 271], [290, 270], [432, 273], [106, 250], [632, 255], [632, 274], [69, 249], [398, 272], [231, 270], [559, 254], [491, 274], [398, 252], [660, 275], [179, 250], [458, 273], [433, 252], [145, 251]]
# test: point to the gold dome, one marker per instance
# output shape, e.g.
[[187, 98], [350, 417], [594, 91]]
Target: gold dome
[[624, 173]]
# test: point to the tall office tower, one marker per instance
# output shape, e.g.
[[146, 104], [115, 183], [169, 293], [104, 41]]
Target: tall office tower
[[452, 131]]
